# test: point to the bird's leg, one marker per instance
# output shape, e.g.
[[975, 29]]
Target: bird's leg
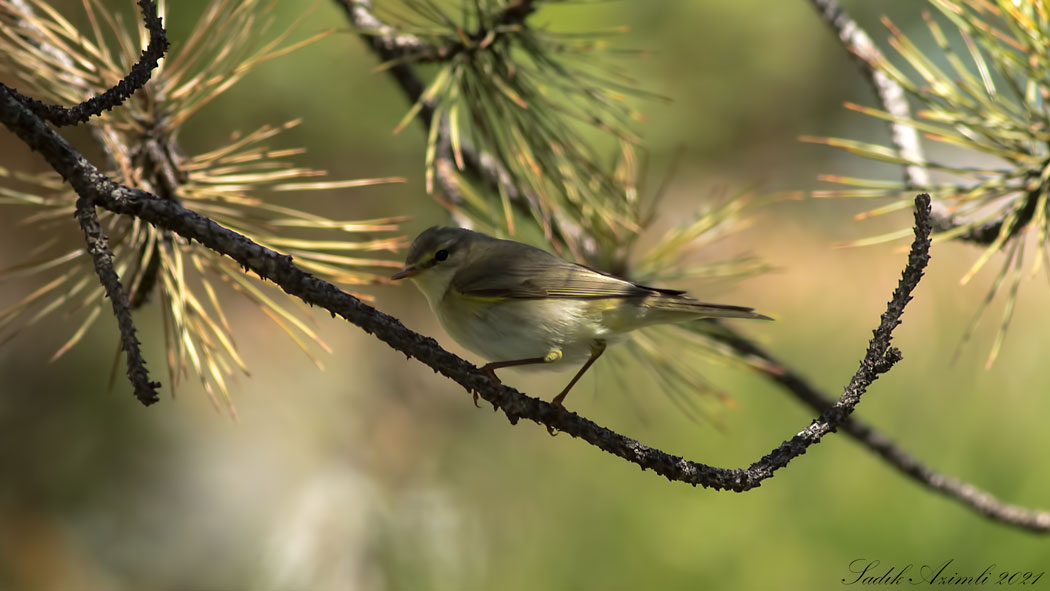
[[597, 348], [490, 368]]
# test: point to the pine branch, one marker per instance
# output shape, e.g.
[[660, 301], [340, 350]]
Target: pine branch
[[894, 101], [391, 45]]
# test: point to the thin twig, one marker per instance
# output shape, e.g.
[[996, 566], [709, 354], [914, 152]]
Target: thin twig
[[97, 245], [981, 501], [139, 74], [91, 184], [29, 22], [878, 358]]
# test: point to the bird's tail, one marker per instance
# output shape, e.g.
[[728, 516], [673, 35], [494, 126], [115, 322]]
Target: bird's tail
[[683, 305]]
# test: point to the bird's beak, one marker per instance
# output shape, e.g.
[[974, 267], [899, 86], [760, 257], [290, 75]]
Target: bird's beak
[[408, 271]]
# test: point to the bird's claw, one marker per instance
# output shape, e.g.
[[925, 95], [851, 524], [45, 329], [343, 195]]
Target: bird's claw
[[556, 402], [491, 373]]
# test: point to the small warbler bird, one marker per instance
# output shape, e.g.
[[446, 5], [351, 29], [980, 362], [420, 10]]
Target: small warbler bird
[[517, 305]]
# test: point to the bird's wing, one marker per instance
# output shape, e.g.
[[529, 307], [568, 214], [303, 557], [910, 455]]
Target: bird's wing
[[507, 274]]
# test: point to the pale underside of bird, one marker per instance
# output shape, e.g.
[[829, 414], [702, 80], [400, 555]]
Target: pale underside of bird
[[519, 306]]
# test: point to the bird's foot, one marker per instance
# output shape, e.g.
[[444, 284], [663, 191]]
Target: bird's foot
[[491, 373], [556, 402]]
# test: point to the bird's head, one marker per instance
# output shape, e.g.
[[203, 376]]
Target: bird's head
[[435, 256]]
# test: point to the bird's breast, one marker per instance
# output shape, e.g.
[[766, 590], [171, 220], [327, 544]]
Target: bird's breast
[[508, 329]]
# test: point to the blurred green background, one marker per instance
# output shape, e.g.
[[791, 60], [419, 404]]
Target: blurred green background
[[378, 474]]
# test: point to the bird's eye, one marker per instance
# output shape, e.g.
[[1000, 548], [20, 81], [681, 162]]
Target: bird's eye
[[441, 255]]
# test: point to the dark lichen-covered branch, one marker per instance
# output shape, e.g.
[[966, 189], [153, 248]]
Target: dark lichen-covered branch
[[91, 184], [97, 246]]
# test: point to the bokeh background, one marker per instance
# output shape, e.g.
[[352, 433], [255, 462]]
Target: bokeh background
[[378, 474]]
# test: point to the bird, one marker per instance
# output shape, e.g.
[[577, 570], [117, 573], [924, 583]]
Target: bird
[[516, 305]]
